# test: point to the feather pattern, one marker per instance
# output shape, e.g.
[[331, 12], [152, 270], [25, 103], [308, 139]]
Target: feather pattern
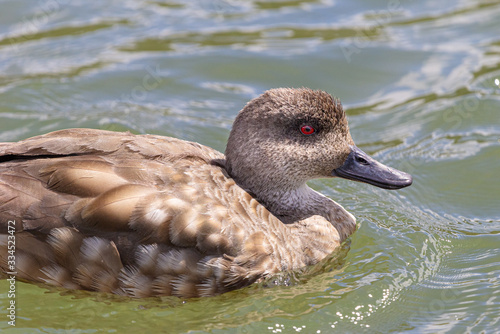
[[145, 215]]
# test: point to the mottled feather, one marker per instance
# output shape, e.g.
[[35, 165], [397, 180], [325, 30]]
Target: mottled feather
[[146, 215]]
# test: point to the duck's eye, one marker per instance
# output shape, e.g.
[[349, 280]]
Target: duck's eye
[[307, 130]]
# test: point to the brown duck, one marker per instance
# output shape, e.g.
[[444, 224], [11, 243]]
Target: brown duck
[[145, 215]]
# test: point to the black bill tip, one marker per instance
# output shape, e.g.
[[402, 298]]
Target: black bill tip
[[359, 166]]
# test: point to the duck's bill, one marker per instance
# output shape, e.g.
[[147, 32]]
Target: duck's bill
[[359, 166]]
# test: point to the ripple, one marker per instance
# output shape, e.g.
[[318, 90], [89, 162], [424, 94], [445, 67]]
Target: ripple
[[451, 13], [420, 91], [266, 39], [225, 87], [22, 36]]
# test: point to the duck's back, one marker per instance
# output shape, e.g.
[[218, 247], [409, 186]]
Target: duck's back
[[141, 215]]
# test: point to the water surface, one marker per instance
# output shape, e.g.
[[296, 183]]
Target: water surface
[[420, 81]]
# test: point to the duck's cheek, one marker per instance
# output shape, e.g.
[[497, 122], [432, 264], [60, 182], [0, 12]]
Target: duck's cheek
[[319, 167], [333, 160], [342, 158]]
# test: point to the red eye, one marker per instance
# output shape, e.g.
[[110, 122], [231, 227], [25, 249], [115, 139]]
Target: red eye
[[307, 130]]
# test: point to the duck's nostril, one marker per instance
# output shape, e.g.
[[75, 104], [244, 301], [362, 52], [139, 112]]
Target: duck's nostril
[[362, 160]]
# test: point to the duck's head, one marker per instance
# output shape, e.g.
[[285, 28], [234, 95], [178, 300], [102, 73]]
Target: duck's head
[[285, 137]]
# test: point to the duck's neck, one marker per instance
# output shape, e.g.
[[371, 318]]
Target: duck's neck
[[295, 204], [287, 196]]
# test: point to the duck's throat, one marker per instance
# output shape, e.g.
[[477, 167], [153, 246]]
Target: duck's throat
[[293, 203], [303, 203]]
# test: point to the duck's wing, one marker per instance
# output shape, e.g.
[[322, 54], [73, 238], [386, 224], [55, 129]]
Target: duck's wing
[[141, 215], [42, 177]]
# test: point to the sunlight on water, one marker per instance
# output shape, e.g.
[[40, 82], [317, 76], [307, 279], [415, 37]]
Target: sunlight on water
[[420, 82]]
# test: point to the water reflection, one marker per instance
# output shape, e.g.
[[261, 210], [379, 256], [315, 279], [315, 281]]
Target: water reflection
[[419, 81]]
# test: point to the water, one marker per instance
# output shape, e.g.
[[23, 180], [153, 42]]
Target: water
[[419, 81]]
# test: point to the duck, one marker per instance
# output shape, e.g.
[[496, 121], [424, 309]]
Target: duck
[[147, 215]]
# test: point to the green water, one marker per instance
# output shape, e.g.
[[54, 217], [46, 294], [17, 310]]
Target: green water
[[419, 81]]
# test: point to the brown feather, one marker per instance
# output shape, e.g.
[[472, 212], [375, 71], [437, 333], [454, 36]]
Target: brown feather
[[144, 215]]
